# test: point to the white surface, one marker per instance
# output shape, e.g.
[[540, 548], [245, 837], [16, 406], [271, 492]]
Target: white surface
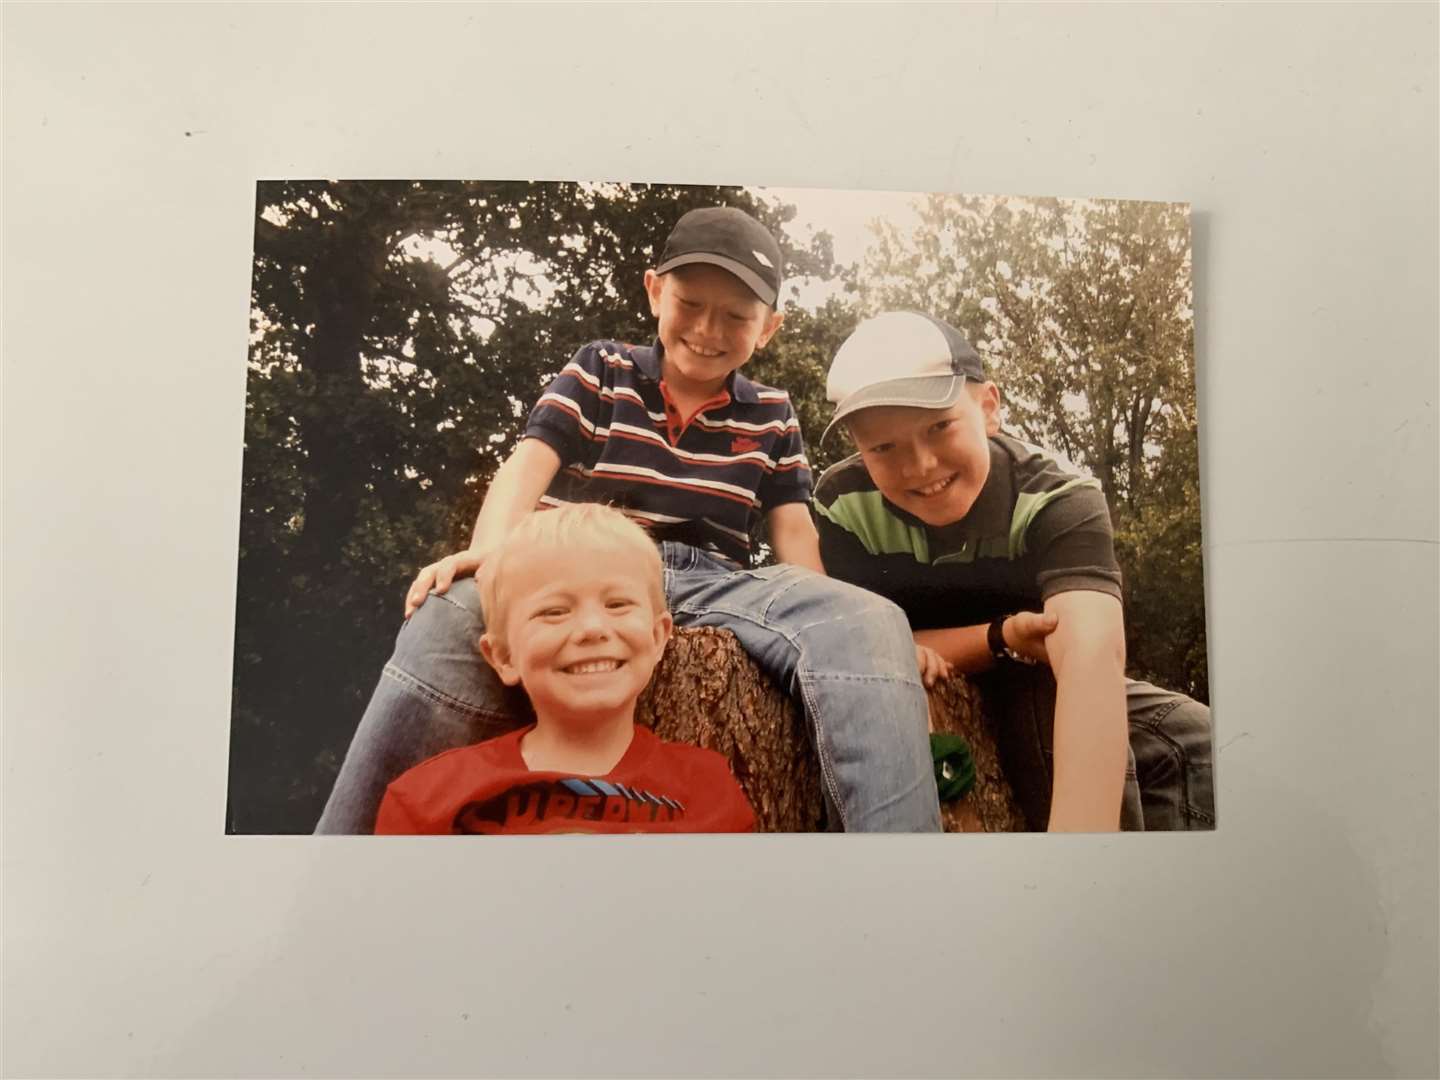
[[1300, 939]]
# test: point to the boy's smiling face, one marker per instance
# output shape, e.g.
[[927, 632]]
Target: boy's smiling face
[[710, 323], [932, 463], [582, 631]]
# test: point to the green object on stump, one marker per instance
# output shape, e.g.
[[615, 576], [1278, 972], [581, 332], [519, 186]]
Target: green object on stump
[[954, 766]]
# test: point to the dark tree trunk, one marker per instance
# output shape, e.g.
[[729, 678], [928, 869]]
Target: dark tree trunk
[[344, 285], [706, 691]]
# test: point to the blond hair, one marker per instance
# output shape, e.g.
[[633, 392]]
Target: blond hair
[[573, 528]]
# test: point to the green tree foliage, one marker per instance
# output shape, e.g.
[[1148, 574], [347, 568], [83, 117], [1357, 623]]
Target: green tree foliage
[[1082, 311], [796, 361], [400, 331]]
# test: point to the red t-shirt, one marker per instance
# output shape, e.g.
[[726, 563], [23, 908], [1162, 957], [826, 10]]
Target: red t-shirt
[[658, 786]]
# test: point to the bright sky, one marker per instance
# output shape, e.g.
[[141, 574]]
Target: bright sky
[[847, 217]]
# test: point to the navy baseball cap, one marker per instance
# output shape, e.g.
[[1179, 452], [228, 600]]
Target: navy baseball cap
[[730, 239], [900, 358]]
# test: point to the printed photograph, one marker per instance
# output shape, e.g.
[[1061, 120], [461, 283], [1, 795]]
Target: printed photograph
[[595, 507]]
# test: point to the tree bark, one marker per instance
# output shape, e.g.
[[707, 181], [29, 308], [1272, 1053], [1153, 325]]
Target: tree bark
[[708, 692]]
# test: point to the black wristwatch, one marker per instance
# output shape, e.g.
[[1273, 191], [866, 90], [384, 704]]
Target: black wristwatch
[[995, 638]]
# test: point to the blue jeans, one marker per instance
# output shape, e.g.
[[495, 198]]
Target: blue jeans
[[1168, 783], [844, 653]]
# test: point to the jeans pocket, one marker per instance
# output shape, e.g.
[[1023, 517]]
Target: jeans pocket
[[678, 557]]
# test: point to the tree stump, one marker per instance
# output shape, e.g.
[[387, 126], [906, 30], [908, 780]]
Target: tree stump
[[990, 806], [708, 692]]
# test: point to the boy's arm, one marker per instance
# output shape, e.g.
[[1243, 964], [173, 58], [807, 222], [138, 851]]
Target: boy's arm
[[1087, 655], [793, 536], [517, 487], [967, 648]]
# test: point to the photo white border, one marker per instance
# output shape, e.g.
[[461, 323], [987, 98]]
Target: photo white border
[[1299, 939]]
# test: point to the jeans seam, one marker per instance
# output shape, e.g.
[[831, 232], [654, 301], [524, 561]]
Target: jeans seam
[[447, 598], [762, 615], [1154, 722], [845, 676], [759, 618], [822, 754], [1182, 760], [439, 697]]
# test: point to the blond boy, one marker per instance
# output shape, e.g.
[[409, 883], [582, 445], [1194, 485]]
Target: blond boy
[[578, 619]]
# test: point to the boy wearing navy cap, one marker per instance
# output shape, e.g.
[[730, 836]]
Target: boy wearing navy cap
[[1003, 560], [685, 445]]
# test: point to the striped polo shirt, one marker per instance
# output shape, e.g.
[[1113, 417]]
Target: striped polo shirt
[[706, 479], [1037, 528]]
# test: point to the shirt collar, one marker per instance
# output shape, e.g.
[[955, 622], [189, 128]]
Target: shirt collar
[[649, 360]]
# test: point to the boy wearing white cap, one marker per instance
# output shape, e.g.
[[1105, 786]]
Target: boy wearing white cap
[[1003, 560]]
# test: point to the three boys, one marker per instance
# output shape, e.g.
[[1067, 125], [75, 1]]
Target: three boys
[[994, 552]]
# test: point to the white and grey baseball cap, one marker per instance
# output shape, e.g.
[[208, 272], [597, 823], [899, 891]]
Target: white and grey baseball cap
[[900, 358]]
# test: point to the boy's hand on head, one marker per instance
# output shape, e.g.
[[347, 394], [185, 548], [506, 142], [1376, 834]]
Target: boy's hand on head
[[439, 576], [933, 666], [1026, 631]]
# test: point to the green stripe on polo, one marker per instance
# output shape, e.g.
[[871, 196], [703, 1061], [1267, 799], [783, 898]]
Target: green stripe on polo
[[1001, 558], [864, 515], [1028, 504]]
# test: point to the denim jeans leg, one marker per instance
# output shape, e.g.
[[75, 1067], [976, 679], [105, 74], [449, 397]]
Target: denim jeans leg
[[1021, 699], [435, 694], [1170, 734], [848, 656]]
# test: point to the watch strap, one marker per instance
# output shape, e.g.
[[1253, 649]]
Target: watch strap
[[995, 638]]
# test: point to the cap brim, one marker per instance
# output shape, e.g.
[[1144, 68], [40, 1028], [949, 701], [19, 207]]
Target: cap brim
[[753, 281], [926, 392]]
